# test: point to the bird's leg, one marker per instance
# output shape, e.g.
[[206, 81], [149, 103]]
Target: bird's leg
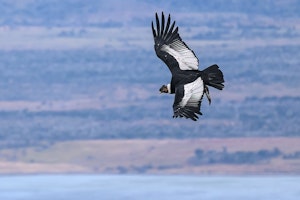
[[206, 91]]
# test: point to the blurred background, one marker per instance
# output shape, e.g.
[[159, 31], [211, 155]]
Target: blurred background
[[79, 87]]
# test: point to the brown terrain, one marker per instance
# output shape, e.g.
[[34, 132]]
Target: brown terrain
[[166, 156]]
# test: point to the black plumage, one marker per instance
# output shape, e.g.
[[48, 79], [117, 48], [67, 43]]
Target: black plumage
[[188, 83]]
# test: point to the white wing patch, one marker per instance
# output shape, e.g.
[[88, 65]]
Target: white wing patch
[[184, 56], [193, 93]]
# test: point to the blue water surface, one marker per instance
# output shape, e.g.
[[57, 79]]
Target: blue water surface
[[145, 187]]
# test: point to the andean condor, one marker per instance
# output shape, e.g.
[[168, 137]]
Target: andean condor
[[188, 83]]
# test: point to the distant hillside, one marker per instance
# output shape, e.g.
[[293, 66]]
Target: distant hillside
[[73, 70], [117, 13], [231, 156]]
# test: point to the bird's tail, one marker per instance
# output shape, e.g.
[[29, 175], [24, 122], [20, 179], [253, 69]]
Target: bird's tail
[[213, 76]]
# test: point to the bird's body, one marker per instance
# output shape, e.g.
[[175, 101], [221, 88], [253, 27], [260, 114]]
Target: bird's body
[[188, 83]]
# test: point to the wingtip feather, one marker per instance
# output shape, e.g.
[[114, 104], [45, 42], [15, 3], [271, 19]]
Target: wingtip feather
[[153, 30], [157, 23], [162, 23], [167, 27]]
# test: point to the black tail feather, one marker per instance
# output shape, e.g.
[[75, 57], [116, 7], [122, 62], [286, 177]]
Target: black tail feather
[[213, 76]]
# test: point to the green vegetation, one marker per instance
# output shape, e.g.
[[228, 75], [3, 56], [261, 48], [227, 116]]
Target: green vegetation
[[239, 157]]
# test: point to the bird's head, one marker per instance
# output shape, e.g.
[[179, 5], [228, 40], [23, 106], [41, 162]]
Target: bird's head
[[164, 89]]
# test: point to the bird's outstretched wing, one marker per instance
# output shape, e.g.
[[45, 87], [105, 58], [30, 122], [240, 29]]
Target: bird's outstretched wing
[[170, 48], [188, 99]]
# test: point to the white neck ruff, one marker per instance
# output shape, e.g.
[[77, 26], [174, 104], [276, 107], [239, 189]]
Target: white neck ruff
[[169, 88]]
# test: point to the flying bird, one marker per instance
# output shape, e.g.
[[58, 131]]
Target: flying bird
[[188, 83]]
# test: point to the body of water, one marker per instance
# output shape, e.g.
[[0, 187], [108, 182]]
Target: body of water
[[146, 187]]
